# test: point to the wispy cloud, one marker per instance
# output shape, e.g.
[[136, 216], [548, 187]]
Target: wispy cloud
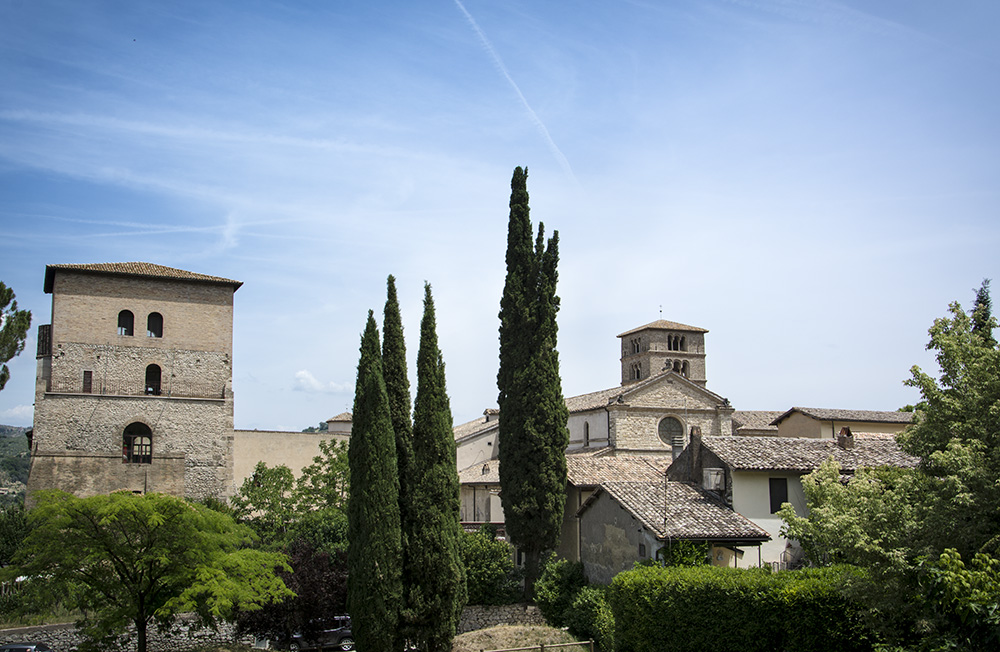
[[18, 413], [556, 152], [306, 382]]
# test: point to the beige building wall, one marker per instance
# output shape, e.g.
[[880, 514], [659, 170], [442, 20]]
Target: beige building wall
[[589, 429], [752, 499], [801, 425], [295, 450]]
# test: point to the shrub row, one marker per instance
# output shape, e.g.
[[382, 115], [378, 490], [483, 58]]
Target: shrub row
[[707, 608]]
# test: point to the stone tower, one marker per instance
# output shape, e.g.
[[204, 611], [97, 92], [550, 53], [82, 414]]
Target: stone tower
[[134, 384], [663, 346]]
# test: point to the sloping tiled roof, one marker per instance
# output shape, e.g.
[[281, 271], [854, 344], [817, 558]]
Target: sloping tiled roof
[[664, 325], [802, 454], [596, 400], [756, 420], [345, 417], [678, 510], [872, 416], [593, 400], [487, 472], [140, 270], [478, 425], [592, 471]]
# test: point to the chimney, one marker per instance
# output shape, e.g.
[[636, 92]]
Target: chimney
[[694, 456], [845, 439]]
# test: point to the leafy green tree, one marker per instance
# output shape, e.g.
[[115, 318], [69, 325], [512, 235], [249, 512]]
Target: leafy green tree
[[14, 325], [490, 573], [533, 434], [326, 483], [982, 314], [13, 530], [135, 559], [397, 386], [437, 595], [557, 588], [898, 523], [265, 503], [374, 589]]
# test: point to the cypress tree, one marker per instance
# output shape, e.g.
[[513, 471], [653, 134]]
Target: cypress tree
[[374, 590], [533, 434], [437, 594], [397, 386]]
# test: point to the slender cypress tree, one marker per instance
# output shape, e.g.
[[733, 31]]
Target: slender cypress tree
[[397, 386], [533, 434], [437, 594], [374, 590]]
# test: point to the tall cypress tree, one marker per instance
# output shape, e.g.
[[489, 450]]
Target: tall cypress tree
[[397, 386], [437, 594], [533, 434], [374, 590]]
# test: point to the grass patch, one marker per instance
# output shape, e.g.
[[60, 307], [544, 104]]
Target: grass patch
[[503, 637]]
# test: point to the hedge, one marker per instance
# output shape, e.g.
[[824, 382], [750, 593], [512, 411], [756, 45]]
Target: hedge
[[707, 608]]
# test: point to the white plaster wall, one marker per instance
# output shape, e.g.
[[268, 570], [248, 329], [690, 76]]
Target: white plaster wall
[[752, 499]]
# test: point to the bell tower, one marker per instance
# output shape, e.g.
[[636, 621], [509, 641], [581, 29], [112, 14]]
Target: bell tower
[[663, 346]]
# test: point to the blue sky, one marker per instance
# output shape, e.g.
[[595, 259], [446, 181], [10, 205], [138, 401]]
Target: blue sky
[[811, 181]]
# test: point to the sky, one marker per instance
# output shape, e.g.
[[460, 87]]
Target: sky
[[811, 181]]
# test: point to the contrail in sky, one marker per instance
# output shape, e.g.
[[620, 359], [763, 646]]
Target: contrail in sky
[[563, 161]]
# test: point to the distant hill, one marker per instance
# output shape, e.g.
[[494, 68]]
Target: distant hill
[[14, 462]]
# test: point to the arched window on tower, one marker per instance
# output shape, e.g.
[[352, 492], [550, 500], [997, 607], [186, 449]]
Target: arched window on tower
[[682, 345], [684, 369], [153, 380], [137, 444], [154, 325], [126, 322], [677, 366]]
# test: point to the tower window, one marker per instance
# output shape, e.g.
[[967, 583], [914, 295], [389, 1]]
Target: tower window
[[137, 444], [88, 382], [154, 325], [636, 371], [126, 322], [153, 380], [684, 369]]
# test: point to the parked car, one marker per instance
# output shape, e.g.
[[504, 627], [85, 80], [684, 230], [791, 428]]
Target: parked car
[[336, 637], [25, 647]]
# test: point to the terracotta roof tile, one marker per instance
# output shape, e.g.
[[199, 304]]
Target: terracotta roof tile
[[592, 471], [137, 269], [804, 454], [663, 324], [755, 420], [872, 416], [678, 510]]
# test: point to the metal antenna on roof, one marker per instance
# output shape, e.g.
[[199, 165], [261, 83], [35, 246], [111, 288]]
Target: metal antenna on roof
[[661, 311]]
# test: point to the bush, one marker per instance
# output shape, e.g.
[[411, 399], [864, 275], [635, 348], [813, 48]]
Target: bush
[[688, 609], [590, 617], [490, 573], [557, 587]]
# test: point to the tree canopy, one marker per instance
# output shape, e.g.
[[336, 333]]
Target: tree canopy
[[912, 528], [533, 414], [14, 325], [133, 559]]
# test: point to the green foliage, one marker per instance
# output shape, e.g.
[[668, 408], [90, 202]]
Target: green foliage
[[557, 586], [532, 432], [374, 589], [701, 608], [684, 553], [490, 573], [322, 427], [265, 503], [326, 482], [132, 559], [435, 597], [965, 601], [14, 325], [589, 617], [14, 528]]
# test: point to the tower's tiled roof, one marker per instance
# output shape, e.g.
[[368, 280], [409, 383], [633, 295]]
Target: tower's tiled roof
[[677, 510], [664, 325], [138, 270]]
